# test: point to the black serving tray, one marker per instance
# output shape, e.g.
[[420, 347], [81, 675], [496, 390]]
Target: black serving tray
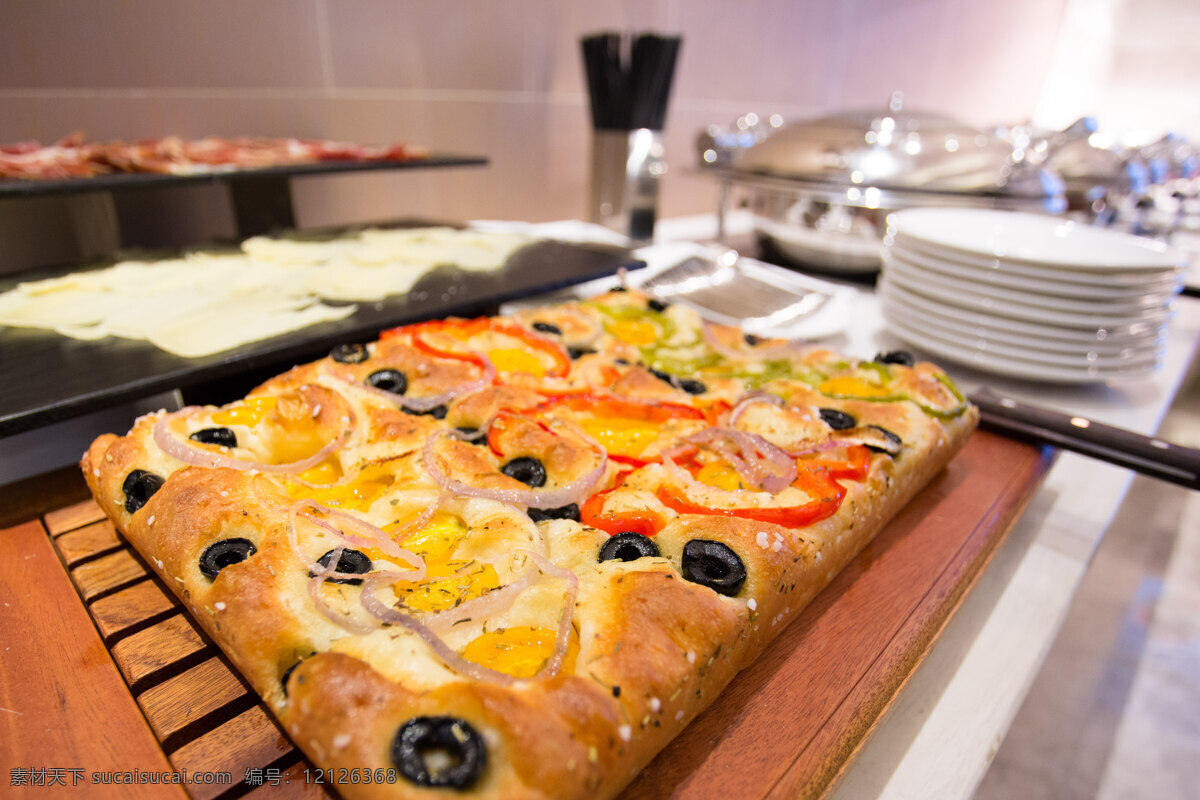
[[46, 378], [20, 187]]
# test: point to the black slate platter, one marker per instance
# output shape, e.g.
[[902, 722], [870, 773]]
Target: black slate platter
[[118, 181], [46, 378]]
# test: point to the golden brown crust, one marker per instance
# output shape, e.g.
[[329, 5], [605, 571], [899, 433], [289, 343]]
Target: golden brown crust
[[648, 649]]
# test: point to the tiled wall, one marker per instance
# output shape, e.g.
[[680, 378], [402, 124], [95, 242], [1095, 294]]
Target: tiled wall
[[498, 77]]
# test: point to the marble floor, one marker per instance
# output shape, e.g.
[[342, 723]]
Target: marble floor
[[1114, 713]]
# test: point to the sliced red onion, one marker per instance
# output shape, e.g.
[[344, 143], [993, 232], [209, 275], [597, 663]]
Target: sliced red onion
[[819, 447], [777, 352], [563, 635], [376, 538], [181, 450], [753, 398], [531, 498], [433, 401], [689, 485], [494, 602], [761, 463], [388, 613], [341, 620]]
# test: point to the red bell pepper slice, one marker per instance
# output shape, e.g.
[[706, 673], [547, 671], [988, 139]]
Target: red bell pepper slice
[[465, 328], [854, 466], [827, 493], [645, 522]]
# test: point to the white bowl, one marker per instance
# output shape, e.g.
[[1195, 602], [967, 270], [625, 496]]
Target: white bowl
[[1034, 239]]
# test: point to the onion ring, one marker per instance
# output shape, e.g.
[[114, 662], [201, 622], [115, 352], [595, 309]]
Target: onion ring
[[761, 463], [422, 404], [776, 352], [181, 451], [750, 399], [550, 498]]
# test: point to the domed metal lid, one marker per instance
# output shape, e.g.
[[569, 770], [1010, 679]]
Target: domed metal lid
[[894, 149]]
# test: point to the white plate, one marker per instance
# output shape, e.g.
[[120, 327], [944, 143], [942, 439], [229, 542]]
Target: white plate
[[1043, 281], [832, 252], [1030, 238], [984, 292], [1011, 367], [1129, 336], [1022, 311], [1079, 358]]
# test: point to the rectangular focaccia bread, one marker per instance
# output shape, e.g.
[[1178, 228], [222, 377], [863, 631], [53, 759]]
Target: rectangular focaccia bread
[[513, 557]]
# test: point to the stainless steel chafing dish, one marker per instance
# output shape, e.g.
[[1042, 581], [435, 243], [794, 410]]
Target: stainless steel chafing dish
[[821, 190]]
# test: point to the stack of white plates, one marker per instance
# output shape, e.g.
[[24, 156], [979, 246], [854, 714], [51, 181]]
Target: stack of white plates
[[1027, 296]]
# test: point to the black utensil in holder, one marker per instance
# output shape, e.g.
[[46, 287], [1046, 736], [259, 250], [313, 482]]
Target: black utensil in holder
[[629, 81]]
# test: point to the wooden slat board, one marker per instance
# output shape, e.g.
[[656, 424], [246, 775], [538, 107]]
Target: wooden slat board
[[784, 728]]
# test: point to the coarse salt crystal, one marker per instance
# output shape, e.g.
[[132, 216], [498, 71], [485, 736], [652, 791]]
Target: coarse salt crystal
[[625, 732], [224, 493], [752, 604], [219, 606], [158, 563], [150, 522], [761, 539], [679, 715], [655, 705], [96, 472], [341, 740], [691, 657], [316, 410]]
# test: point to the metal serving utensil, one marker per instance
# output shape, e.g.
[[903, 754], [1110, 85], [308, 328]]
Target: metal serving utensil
[[730, 291]]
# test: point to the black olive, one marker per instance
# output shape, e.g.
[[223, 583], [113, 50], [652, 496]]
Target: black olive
[[472, 435], [546, 327], [714, 565], [628, 546], [657, 305], [579, 352], [437, 412], [349, 353], [621, 361], [389, 380], [662, 376], [220, 436], [452, 737], [838, 420], [691, 386], [226, 552], [354, 562], [527, 470], [619, 289], [752, 340], [562, 512], [139, 486], [891, 437], [902, 357], [287, 674]]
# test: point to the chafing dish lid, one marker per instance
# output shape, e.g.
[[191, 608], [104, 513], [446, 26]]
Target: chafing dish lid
[[894, 149]]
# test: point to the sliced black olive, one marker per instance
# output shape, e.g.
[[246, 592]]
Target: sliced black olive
[[220, 436], [226, 552], [546, 327], [579, 352], [838, 420], [752, 340], [562, 512], [139, 486], [692, 386], [437, 412], [390, 380], [657, 305], [349, 353], [462, 750], [902, 357], [527, 470], [472, 435], [628, 546], [621, 361], [895, 440], [286, 676], [714, 565], [354, 562], [619, 289], [662, 376]]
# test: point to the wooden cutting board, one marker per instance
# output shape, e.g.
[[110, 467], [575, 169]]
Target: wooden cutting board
[[109, 673]]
